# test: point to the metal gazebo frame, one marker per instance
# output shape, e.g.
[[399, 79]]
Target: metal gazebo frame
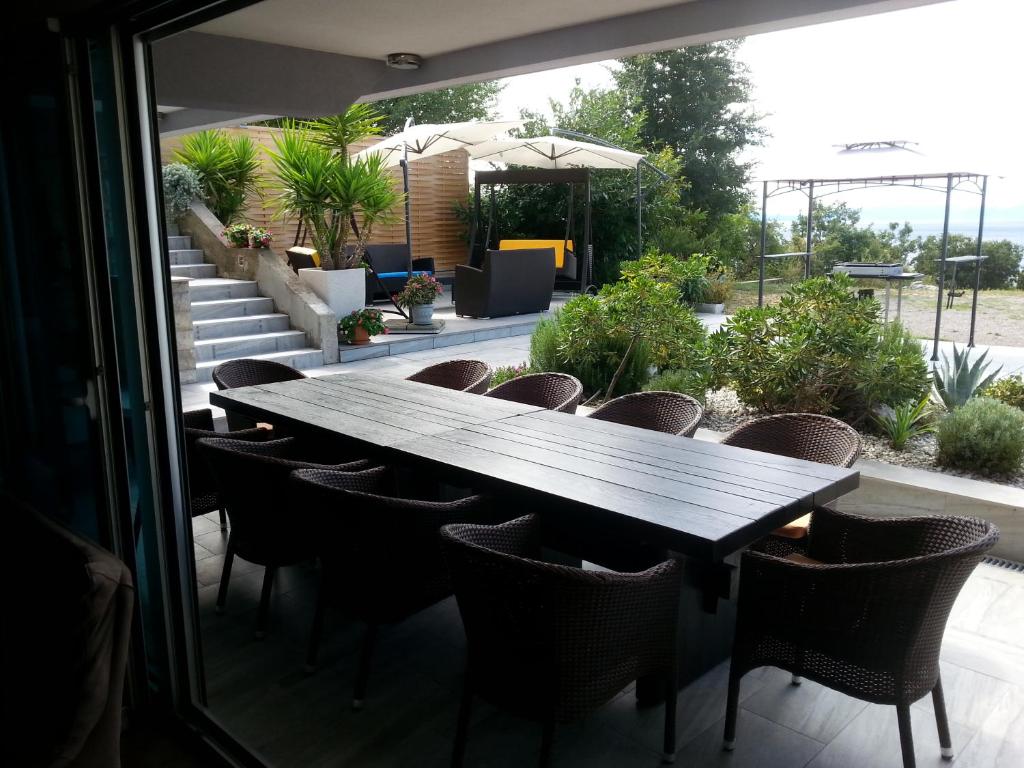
[[964, 181]]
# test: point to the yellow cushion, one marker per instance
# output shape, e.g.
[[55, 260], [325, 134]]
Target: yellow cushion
[[519, 245], [796, 529]]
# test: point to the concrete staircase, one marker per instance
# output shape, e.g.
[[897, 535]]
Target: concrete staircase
[[231, 320]]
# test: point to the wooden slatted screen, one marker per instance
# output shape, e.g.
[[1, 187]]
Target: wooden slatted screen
[[436, 184]]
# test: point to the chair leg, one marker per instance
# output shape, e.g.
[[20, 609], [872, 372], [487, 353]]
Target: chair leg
[[732, 705], [906, 735], [363, 673], [547, 742], [462, 727], [668, 754], [317, 629], [941, 721], [796, 680], [261, 615], [223, 520], [225, 576]]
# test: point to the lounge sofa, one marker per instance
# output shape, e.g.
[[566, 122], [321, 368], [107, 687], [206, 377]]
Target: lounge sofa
[[508, 283]]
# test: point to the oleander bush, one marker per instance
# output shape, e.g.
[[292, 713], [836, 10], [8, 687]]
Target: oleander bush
[[820, 349], [1009, 390], [984, 436]]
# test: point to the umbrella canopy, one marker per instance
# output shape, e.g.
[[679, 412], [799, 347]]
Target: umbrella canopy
[[429, 139], [553, 152]]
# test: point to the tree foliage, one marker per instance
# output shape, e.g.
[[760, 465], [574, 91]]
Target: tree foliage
[[694, 101], [472, 101], [1002, 268]]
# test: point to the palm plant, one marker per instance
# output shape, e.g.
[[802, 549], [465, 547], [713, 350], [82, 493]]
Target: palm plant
[[324, 189], [957, 382], [228, 168], [339, 132]]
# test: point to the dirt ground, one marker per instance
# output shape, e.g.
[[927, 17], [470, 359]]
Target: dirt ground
[[1000, 313]]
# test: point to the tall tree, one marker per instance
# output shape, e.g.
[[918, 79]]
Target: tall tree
[[472, 101], [696, 102]]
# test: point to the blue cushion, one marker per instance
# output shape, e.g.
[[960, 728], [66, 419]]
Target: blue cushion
[[417, 273]]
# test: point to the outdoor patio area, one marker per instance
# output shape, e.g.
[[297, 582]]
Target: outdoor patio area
[[259, 690]]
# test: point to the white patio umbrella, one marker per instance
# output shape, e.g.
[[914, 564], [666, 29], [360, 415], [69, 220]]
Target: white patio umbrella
[[419, 141], [553, 152]]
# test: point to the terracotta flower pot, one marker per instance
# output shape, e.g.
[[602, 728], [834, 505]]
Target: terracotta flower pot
[[360, 336]]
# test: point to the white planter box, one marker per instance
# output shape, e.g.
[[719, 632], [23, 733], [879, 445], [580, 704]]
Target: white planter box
[[709, 309], [343, 290]]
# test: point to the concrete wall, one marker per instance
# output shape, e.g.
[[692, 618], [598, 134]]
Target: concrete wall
[[183, 332], [205, 229]]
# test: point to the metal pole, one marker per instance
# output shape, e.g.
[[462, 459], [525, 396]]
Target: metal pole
[[942, 270], [475, 225], [810, 230], [408, 203], [639, 213], [977, 266], [764, 244]]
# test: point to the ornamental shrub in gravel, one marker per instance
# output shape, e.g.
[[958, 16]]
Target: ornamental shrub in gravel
[[984, 436], [1009, 390]]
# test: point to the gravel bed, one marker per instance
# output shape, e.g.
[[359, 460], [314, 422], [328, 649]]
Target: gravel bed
[[724, 412]]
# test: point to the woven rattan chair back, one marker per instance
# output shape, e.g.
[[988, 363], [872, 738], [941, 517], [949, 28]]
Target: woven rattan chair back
[[249, 372], [554, 391], [869, 617], [807, 436], [464, 375], [670, 412]]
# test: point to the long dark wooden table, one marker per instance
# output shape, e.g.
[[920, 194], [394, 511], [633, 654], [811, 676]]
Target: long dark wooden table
[[605, 491]]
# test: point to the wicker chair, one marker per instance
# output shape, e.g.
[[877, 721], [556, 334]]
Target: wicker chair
[[553, 643], [267, 526], [867, 618], [249, 372], [554, 391], [203, 495], [380, 561], [669, 412], [806, 436], [464, 375]]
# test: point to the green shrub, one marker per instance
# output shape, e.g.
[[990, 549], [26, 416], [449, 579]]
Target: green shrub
[[819, 350], [1009, 390], [181, 185], [688, 382], [228, 168], [984, 436], [504, 373]]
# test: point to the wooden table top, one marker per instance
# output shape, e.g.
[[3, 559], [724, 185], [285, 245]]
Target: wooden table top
[[692, 496]]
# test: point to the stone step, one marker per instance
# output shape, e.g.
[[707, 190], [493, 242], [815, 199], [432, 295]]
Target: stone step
[[248, 346], [176, 242], [227, 308], [217, 288], [300, 359], [246, 325], [186, 256], [194, 270]]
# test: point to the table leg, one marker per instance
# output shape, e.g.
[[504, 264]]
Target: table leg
[[899, 299], [887, 285]]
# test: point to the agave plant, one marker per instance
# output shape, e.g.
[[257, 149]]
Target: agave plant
[[959, 380]]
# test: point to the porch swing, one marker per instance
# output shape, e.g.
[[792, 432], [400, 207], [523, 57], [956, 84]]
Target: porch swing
[[573, 266]]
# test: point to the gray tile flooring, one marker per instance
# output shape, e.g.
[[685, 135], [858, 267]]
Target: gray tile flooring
[[259, 691]]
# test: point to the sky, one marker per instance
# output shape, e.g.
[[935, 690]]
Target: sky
[[947, 76]]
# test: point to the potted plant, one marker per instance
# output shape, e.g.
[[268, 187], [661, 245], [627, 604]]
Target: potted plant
[[716, 293], [336, 199], [358, 326], [418, 296], [237, 235], [259, 238]]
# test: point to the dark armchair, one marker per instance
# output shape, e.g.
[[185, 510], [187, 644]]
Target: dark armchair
[[508, 283], [862, 613], [553, 643], [391, 263]]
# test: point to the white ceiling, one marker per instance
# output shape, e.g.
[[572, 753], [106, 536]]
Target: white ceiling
[[375, 28]]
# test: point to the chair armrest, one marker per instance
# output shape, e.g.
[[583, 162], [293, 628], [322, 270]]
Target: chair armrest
[[424, 264]]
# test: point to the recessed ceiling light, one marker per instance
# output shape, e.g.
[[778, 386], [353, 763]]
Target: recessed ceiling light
[[404, 61]]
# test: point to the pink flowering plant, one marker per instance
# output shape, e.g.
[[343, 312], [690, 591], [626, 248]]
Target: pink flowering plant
[[421, 289], [247, 236], [370, 320], [504, 373]]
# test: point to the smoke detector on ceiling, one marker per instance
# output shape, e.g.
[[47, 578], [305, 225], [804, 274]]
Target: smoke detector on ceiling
[[404, 61]]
